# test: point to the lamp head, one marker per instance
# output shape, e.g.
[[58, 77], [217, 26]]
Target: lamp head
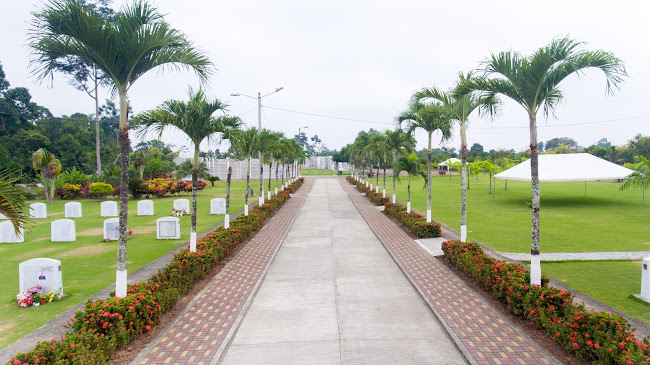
[[278, 89], [234, 94]]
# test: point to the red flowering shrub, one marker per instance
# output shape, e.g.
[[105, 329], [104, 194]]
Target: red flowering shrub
[[592, 336], [106, 324]]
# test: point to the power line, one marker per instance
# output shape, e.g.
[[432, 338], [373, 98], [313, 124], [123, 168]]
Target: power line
[[328, 116], [267, 119]]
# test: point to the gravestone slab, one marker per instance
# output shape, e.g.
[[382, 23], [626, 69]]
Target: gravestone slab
[[218, 206], [112, 229], [63, 230], [41, 271], [645, 279], [145, 207], [73, 210], [182, 204], [8, 234], [168, 228], [38, 210], [109, 209]]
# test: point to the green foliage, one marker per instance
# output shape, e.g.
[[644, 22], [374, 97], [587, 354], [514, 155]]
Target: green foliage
[[74, 176], [100, 189], [12, 200], [137, 188]]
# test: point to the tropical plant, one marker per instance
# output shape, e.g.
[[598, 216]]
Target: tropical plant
[[12, 200], [491, 170], [400, 143], [411, 164], [462, 101], [430, 117], [49, 168], [134, 42], [266, 147], [195, 119], [246, 141], [640, 178], [505, 164], [140, 160], [533, 82]]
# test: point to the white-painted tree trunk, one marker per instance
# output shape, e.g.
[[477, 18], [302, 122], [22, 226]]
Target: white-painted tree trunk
[[463, 233], [535, 270], [428, 215], [408, 207], [192, 241], [226, 221], [383, 195], [246, 209], [120, 283], [260, 200], [394, 199]]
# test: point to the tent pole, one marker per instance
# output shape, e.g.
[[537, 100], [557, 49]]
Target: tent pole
[[585, 188]]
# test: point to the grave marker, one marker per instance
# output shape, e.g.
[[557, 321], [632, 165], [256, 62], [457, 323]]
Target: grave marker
[[112, 229], [38, 210], [182, 204], [63, 230], [109, 209], [145, 207], [8, 234], [43, 272], [168, 228], [218, 206], [645, 279], [73, 210]]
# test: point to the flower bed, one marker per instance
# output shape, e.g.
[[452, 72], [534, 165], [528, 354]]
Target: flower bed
[[413, 221], [598, 337], [106, 324]]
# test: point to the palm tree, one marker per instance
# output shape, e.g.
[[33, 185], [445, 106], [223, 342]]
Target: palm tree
[[640, 177], [140, 161], [195, 119], [265, 147], [376, 147], [505, 164], [410, 164], [491, 169], [462, 101], [430, 117], [246, 141], [134, 42], [533, 82], [399, 143], [272, 151], [12, 201], [230, 134], [49, 169]]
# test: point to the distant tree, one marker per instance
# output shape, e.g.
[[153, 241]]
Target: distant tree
[[598, 151], [603, 142], [569, 143], [49, 169], [540, 146], [410, 164], [640, 178]]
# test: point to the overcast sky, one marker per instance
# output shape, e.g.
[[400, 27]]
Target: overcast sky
[[362, 60]]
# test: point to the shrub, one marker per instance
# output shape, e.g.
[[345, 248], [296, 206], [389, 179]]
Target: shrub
[[213, 179], [137, 188], [598, 337], [69, 191], [100, 189]]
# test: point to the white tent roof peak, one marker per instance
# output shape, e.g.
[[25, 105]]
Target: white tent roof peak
[[449, 162], [568, 167]]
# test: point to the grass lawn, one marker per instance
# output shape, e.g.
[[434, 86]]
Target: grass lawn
[[88, 264], [320, 172]]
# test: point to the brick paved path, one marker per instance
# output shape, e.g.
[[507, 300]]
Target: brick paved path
[[481, 334], [199, 333]]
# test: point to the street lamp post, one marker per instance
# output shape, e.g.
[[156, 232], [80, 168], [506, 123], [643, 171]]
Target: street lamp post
[[259, 127]]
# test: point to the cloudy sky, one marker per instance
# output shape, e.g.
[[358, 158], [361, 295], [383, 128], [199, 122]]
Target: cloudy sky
[[358, 62]]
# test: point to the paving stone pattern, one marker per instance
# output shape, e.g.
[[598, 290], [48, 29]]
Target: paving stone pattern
[[481, 333], [199, 333]]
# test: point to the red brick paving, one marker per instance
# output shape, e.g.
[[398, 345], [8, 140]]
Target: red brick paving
[[480, 333], [200, 332]]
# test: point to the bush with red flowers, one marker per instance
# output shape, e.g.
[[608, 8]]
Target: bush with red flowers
[[106, 324], [599, 337]]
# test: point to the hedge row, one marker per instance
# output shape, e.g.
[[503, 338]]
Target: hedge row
[[414, 221], [106, 324], [597, 337]]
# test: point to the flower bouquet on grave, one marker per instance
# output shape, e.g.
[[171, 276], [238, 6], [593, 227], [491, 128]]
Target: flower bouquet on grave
[[178, 212]]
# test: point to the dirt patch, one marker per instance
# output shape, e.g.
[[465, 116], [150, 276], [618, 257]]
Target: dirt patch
[[86, 251], [7, 325], [37, 253], [92, 232], [141, 230]]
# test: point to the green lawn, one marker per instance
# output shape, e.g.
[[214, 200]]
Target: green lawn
[[319, 172], [605, 220], [88, 264]]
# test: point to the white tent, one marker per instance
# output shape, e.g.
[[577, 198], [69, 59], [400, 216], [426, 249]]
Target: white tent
[[568, 167], [444, 165]]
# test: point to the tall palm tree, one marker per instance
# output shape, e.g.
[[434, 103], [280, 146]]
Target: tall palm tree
[[229, 134], [462, 100], [12, 201], [533, 82], [430, 117], [411, 164], [265, 147], [49, 169], [272, 151], [246, 141], [400, 143], [196, 119], [134, 42], [640, 177]]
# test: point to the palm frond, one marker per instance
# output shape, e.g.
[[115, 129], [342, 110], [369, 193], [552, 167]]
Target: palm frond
[[12, 201]]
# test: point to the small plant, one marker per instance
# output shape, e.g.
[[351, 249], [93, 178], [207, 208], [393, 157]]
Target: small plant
[[100, 189], [213, 179], [106, 240]]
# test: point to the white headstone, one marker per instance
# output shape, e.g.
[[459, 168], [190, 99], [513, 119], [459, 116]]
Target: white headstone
[[112, 228], [73, 210], [145, 207], [43, 272], [8, 234], [168, 228], [2, 216], [182, 204], [38, 210], [109, 209], [645, 279], [63, 230], [218, 206]]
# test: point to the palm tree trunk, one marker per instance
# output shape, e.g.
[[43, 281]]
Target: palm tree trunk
[[277, 166], [248, 179], [270, 168], [464, 183], [384, 187], [394, 168], [195, 181], [121, 273], [408, 197], [490, 191], [535, 267], [429, 181], [377, 178], [261, 196], [506, 189], [97, 154], [226, 220]]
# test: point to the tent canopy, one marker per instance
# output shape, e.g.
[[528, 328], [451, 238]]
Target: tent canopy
[[568, 167], [449, 162]]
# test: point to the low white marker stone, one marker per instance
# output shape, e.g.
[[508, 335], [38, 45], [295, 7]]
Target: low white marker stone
[[218, 206], [63, 230], [43, 272], [38, 210], [145, 207], [182, 204], [168, 228], [8, 234], [112, 229], [645, 279], [73, 210], [109, 209]]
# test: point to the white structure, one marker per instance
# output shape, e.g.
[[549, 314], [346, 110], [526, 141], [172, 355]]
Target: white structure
[[219, 167], [43, 272], [109, 209], [645, 279], [8, 234], [73, 210], [218, 206], [112, 229], [38, 210], [444, 165], [145, 207], [168, 228], [182, 204], [2, 216], [63, 230]]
